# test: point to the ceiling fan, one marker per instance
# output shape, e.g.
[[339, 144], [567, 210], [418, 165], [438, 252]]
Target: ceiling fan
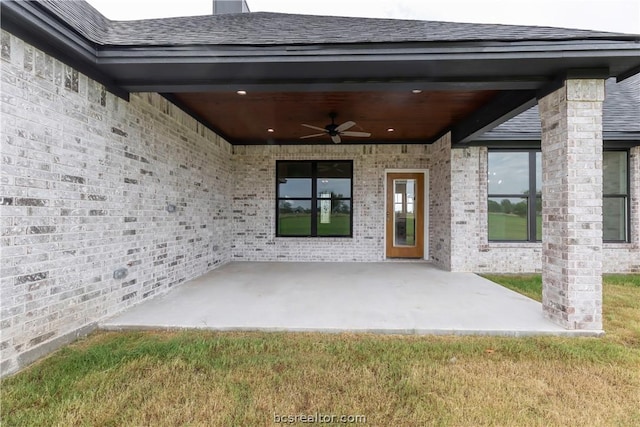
[[336, 131]]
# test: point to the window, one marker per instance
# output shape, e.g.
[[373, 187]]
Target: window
[[615, 192], [515, 196], [314, 198], [515, 191]]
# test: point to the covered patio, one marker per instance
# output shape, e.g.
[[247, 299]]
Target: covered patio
[[386, 297], [163, 153]]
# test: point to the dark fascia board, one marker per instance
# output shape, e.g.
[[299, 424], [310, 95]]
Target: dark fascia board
[[26, 20], [629, 73], [510, 71], [503, 107], [462, 50], [339, 85]]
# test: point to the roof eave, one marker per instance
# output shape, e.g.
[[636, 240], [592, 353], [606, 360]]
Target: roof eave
[[46, 32], [111, 64]]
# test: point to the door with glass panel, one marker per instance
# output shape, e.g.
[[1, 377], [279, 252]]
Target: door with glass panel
[[404, 216]]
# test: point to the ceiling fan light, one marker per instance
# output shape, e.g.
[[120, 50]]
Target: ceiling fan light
[[391, 130], [416, 91], [241, 92], [270, 130]]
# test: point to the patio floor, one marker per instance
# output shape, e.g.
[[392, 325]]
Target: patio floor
[[386, 297]]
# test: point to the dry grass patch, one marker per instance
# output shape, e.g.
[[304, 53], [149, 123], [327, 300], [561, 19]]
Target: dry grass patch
[[207, 378]]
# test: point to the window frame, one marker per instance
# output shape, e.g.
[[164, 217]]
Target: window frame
[[313, 200], [532, 229], [531, 196], [626, 197]]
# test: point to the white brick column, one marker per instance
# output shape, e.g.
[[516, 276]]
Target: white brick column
[[572, 204]]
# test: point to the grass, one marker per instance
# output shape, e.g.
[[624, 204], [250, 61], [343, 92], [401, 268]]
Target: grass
[[207, 378], [300, 225], [526, 284], [510, 227]]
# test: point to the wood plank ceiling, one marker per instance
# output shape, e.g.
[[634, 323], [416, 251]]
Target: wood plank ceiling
[[414, 116]]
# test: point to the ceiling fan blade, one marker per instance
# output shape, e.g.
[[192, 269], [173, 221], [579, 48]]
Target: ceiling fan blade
[[313, 136], [314, 127], [357, 134], [336, 139], [345, 126]]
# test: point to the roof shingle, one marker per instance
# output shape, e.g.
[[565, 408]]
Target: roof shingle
[[621, 115], [266, 28]]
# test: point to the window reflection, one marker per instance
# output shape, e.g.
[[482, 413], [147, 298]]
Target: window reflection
[[508, 172]]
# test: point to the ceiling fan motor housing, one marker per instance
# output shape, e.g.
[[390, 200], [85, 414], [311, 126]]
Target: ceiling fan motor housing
[[331, 129]]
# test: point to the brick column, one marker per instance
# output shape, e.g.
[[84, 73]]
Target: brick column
[[572, 204]]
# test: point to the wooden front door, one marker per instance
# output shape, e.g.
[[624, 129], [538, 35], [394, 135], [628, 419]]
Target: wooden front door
[[405, 215]]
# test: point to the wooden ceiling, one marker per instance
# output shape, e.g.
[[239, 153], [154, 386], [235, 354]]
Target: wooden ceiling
[[414, 117]]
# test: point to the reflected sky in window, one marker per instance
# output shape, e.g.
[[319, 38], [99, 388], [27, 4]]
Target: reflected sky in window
[[508, 173]]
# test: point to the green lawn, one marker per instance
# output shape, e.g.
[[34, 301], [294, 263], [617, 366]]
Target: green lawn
[[212, 378], [510, 227], [621, 301], [410, 229], [300, 225]]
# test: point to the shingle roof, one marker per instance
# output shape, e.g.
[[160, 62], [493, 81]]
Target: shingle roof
[[621, 115], [266, 28]]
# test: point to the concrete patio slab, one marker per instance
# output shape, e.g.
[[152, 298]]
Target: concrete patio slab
[[388, 297]]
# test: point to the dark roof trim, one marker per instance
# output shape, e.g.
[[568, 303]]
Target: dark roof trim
[[628, 74], [503, 107], [131, 67], [27, 21]]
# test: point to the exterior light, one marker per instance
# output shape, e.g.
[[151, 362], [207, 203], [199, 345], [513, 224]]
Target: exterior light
[[270, 130], [416, 91], [391, 130], [241, 92]]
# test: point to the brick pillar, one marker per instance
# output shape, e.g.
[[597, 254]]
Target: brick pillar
[[571, 120]]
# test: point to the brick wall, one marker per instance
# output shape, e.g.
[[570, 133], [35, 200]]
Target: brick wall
[[89, 180], [86, 181], [571, 144], [440, 202], [254, 201], [473, 252]]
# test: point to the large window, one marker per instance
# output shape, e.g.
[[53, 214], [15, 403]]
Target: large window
[[515, 189], [515, 196], [314, 198], [615, 192]]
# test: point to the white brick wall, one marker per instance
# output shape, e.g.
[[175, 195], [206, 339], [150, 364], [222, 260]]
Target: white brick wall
[[440, 194], [476, 254], [572, 204], [86, 178], [254, 201]]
